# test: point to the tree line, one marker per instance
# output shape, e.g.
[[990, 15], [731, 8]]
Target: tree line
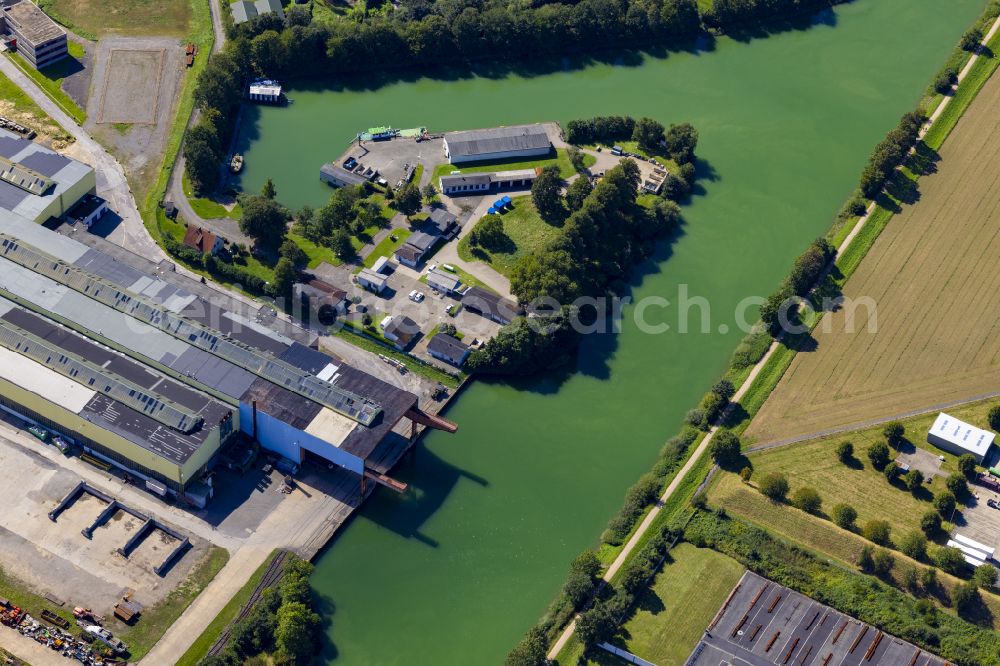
[[420, 33], [282, 625], [725, 15]]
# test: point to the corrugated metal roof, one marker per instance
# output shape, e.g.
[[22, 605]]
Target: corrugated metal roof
[[497, 140]]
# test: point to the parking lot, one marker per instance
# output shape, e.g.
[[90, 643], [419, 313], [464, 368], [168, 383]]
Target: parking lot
[[979, 521], [390, 157]]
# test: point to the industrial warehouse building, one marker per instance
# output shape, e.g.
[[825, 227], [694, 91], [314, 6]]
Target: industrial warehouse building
[[499, 143], [151, 377], [958, 437], [39, 39], [37, 184]]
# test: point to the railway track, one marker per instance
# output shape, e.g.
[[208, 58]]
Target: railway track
[[270, 578]]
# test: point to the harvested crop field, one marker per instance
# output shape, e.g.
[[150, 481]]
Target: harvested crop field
[[933, 276]]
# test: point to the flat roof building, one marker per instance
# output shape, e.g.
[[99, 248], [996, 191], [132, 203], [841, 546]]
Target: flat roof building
[[337, 176], [244, 10], [39, 39], [479, 183], [265, 90], [152, 377], [958, 437], [36, 183], [497, 143]]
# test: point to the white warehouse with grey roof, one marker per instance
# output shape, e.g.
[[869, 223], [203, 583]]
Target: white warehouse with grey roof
[[500, 143], [37, 184]]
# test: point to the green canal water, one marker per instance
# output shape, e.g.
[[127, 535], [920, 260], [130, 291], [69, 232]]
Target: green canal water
[[456, 570]]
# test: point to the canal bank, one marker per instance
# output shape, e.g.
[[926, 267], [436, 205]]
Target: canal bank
[[456, 570]]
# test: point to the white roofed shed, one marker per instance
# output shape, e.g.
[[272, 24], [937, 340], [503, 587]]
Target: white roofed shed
[[958, 437]]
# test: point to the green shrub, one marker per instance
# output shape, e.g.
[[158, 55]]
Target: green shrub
[[807, 499], [882, 562], [878, 454], [774, 486], [985, 576], [844, 516], [967, 461], [893, 432], [877, 531], [949, 559], [845, 452], [750, 350], [914, 545], [913, 479], [892, 471], [994, 420], [725, 448], [945, 502], [930, 524], [958, 486]]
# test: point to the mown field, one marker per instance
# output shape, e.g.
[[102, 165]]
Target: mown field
[[931, 337], [100, 18], [826, 539], [526, 233], [671, 616]]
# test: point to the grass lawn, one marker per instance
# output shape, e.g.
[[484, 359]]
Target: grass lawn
[[967, 91], [317, 253], [207, 208], [683, 599], [386, 247], [527, 231], [820, 536], [50, 80], [560, 159], [100, 18], [158, 618], [15, 104], [814, 463], [227, 615]]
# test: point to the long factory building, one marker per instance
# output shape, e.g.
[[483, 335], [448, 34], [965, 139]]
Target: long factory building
[[148, 376]]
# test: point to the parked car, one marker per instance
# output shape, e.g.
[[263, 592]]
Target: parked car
[[430, 269], [416, 296]]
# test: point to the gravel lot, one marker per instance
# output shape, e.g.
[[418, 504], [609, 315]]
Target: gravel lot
[[136, 82]]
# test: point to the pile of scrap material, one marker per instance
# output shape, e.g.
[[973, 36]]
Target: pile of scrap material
[[56, 638]]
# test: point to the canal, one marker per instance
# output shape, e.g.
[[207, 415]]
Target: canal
[[456, 570]]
